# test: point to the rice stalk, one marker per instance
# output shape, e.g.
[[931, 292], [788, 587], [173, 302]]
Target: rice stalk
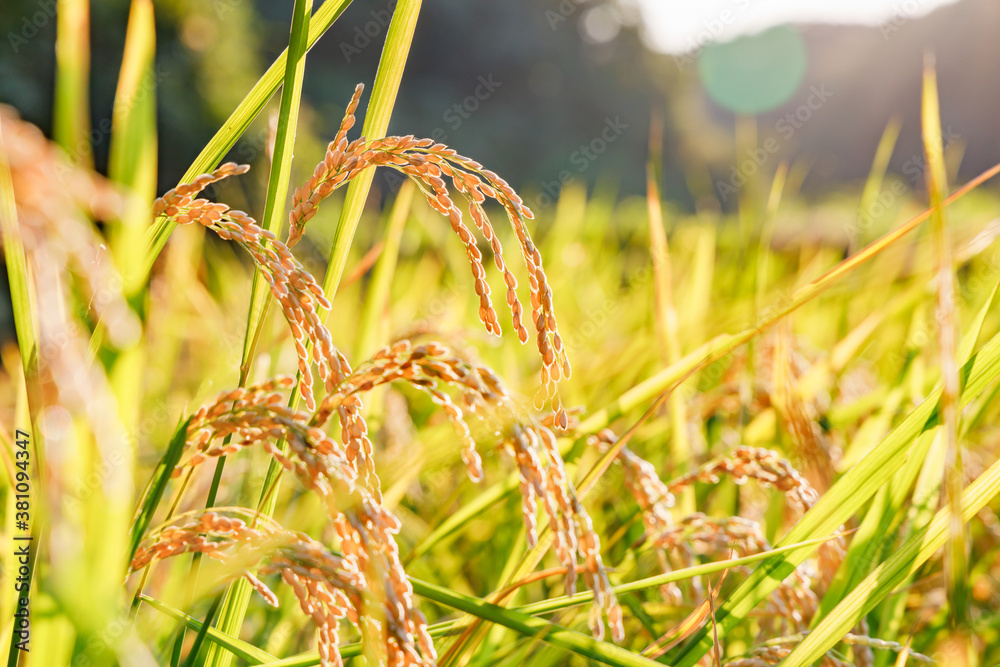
[[71, 101], [666, 311], [238, 122], [329, 587], [281, 165], [395, 51], [73, 408], [946, 317], [428, 163]]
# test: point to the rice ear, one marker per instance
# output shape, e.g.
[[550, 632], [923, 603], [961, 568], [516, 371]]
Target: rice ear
[[429, 163], [329, 587], [296, 291]]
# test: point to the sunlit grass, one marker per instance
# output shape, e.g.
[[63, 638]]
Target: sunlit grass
[[867, 356]]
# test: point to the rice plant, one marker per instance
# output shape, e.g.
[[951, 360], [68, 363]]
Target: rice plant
[[214, 456]]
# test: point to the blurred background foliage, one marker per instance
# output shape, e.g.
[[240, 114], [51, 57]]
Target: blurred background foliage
[[557, 72], [554, 77]]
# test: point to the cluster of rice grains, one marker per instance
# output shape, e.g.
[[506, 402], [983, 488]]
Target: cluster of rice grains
[[329, 587], [794, 602], [294, 288], [428, 163], [433, 368], [366, 529], [343, 472]]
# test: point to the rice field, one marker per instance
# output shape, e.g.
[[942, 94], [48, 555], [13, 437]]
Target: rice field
[[447, 429]]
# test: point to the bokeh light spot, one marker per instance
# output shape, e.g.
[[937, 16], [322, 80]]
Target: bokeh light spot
[[755, 73]]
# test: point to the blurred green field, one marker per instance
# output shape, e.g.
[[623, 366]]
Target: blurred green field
[[810, 327]]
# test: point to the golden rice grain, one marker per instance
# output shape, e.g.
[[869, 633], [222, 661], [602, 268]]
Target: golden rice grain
[[426, 162], [328, 587], [433, 367], [294, 288]]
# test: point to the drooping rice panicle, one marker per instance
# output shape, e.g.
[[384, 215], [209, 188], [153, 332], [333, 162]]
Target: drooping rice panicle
[[770, 470], [428, 163], [258, 415], [714, 534], [432, 367], [763, 465], [427, 367], [642, 481], [650, 493], [329, 587], [794, 600], [294, 288]]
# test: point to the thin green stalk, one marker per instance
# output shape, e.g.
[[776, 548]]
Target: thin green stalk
[[238, 595], [666, 311], [133, 152], [199, 639], [473, 631], [238, 122], [876, 177], [377, 299], [71, 103], [553, 634], [903, 563], [241, 649], [25, 323], [154, 494], [281, 169], [383, 98], [937, 186], [132, 163]]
